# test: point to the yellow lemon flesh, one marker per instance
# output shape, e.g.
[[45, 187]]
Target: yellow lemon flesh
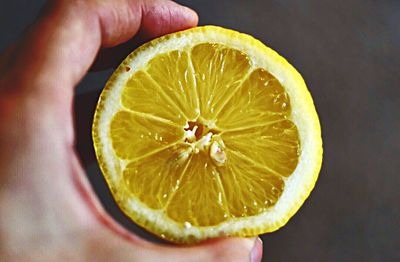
[[207, 133]]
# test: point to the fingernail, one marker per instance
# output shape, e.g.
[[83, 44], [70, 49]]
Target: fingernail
[[256, 252]]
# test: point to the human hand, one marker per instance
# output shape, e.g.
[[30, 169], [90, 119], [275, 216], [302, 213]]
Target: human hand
[[48, 209]]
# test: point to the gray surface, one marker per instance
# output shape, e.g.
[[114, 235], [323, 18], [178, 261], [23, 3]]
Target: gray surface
[[348, 52]]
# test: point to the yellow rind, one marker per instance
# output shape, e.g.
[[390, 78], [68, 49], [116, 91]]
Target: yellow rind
[[306, 109]]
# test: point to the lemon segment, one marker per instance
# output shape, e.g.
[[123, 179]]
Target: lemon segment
[[219, 72], [142, 94], [134, 135], [209, 197], [164, 171], [172, 73], [249, 189], [260, 100]]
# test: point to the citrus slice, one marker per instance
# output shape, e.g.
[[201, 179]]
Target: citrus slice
[[207, 133]]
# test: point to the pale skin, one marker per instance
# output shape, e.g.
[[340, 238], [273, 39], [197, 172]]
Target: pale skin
[[48, 210]]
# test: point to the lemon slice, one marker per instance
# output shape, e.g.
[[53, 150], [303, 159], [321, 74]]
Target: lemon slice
[[207, 133]]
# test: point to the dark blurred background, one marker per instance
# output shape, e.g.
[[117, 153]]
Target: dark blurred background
[[349, 54]]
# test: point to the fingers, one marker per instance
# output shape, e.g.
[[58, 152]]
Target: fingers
[[120, 22], [61, 46], [159, 18]]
